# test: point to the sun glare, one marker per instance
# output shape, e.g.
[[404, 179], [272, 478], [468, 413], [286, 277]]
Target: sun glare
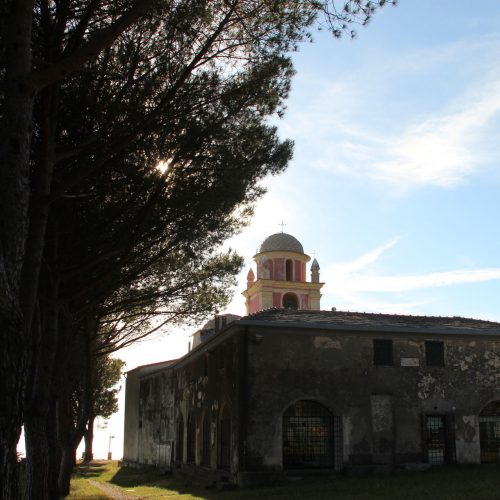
[[163, 166]]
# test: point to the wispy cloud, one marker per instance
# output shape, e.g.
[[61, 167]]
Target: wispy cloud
[[351, 278], [360, 263], [431, 280], [441, 141], [440, 150]]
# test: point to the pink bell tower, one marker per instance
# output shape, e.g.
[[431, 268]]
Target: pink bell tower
[[281, 277]]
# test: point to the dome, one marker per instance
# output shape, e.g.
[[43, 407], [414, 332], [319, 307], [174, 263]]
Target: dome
[[281, 242]]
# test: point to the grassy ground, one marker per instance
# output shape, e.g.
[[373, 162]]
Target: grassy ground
[[440, 483]]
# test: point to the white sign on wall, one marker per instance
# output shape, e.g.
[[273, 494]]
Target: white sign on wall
[[410, 362]]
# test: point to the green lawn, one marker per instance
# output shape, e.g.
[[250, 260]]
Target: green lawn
[[441, 483]]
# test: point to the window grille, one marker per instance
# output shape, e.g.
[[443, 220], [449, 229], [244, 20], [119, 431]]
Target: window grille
[[439, 439], [308, 436], [489, 433], [434, 353], [382, 352], [435, 429], [338, 442]]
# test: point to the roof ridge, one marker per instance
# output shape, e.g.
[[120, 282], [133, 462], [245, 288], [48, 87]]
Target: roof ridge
[[356, 318]]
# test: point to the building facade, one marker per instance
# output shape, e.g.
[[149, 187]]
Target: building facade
[[287, 389]]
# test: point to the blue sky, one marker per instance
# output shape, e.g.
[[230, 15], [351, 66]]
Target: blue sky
[[394, 185]]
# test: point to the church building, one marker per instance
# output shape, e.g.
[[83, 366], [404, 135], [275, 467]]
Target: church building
[[291, 387]]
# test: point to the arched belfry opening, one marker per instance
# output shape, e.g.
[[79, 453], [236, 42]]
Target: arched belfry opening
[[489, 433], [290, 301]]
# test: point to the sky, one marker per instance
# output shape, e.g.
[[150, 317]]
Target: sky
[[394, 186]]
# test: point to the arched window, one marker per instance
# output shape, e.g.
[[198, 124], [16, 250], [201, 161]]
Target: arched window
[[308, 431], [206, 448], [489, 433], [191, 439], [290, 301], [179, 452], [225, 439], [289, 270]]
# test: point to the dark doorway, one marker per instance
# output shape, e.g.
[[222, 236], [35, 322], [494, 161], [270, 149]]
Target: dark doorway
[[308, 431], [225, 440], [179, 452], [191, 439], [205, 453]]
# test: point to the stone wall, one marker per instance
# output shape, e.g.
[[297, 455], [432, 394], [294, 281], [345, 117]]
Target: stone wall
[[383, 408], [208, 387], [149, 416]]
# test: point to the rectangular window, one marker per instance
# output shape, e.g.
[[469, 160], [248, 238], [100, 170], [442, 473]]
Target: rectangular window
[[382, 352], [434, 353]]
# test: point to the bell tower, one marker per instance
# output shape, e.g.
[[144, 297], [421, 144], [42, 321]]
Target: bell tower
[[281, 277]]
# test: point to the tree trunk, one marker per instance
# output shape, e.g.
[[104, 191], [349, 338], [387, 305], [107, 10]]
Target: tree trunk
[[40, 395], [15, 136], [55, 452], [71, 440], [8, 467], [72, 419], [89, 438], [12, 363], [8, 464], [65, 469], [38, 457]]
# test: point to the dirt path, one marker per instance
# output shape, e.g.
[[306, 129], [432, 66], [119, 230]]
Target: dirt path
[[111, 491]]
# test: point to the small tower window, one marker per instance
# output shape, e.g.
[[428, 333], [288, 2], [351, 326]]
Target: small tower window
[[290, 301], [289, 270]]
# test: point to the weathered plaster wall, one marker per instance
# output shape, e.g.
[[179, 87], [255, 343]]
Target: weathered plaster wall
[[155, 426], [382, 407], [131, 417], [209, 382]]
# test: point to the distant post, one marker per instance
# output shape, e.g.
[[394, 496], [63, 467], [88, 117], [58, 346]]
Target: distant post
[[109, 447]]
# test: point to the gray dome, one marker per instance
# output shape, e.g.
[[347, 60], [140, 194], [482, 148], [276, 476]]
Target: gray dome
[[281, 242]]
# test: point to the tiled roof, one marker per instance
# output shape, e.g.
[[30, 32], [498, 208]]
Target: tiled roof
[[346, 320], [153, 367]]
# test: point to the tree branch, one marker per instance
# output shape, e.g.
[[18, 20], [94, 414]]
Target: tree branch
[[72, 63]]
